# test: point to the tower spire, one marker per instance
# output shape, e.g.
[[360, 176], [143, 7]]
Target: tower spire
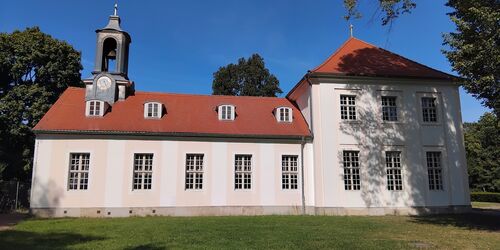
[[350, 29], [115, 12]]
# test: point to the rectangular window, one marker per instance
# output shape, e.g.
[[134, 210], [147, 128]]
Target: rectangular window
[[78, 178], [143, 171], [352, 180], [243, 172], [429, 109], [348, 107], [393, 170], [434, 170], [153, 110], [289, 172], [226, 112], [389, 108], [194, 171], [94, 108]]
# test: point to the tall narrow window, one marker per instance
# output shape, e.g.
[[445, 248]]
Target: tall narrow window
[[78, 177], [152, 110], [226, 112], [429, 109], [348, 107], [95, 108], [393, 170], [284, 114], [194, 171], [434, 170], [143, 171], [289, 172], [352, 180], [243, 172], [389, 108]]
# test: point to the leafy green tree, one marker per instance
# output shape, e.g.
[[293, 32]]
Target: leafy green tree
[[391, 9], [475, 48], [34, 70], [249, 77], [482, 145]]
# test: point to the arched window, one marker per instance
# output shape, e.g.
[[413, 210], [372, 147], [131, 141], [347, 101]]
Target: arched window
[[284, 114], [109, 48], [153, 110], [226, 112]]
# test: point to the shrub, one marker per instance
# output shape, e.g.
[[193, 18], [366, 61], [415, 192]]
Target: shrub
[[485, 196]]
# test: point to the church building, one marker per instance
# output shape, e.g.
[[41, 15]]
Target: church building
[[367, 132]]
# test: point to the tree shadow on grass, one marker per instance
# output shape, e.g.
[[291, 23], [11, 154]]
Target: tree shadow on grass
[[146, 247], [13, 239], [479, 220]]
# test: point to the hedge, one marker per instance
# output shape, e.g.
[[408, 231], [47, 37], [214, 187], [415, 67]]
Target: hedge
[[485, 196]]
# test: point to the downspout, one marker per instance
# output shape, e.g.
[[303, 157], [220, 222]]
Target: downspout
[[302, 144]]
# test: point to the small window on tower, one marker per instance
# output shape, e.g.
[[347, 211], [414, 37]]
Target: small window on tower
[[95, 108], [153, 110], [226, 112], [284, 114]]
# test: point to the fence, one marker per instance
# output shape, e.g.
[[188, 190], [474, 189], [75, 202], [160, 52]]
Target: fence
[[14, 195]]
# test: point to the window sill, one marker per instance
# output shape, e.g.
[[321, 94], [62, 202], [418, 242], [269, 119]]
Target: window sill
[[430, 124], [350, 121]]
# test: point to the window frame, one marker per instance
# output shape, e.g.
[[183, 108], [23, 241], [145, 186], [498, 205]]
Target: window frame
[[438, 109], [289, 173], [91, 109], [352, 174], [144, 172], [159, 110], [348, 107], [79, 172], [278, 114], [243, 172], [223, 112], [391, 110], [195, 186], [391, 165], [432, 182]]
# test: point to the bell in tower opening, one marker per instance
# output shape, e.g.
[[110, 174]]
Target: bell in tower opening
[[110, 81]]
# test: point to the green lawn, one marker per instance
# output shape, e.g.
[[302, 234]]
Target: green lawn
[[278, 232], [480, 204]]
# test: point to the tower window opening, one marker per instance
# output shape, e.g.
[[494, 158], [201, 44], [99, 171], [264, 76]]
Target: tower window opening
[[109, 55]]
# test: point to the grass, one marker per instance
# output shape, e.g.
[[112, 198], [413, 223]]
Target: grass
[[477, 231], [480, 204]]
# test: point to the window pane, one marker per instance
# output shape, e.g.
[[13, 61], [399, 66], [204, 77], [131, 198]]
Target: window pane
[[352, 180]]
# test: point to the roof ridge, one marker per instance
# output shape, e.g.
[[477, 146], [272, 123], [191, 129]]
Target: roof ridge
[[207, 95], [334, 53]]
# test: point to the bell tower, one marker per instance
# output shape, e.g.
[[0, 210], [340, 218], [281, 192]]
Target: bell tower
[[110, 82]]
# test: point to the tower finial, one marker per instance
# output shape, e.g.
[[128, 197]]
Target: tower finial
[[350, 29], [115, 13]]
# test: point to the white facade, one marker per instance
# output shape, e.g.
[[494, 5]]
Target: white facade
[[111, 192]]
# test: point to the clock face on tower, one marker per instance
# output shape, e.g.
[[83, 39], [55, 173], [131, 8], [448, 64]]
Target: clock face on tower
[[103, 82]]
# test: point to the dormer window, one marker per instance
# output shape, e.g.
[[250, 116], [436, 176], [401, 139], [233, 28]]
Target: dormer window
[[95, 108], [284, 114], [153, 110], [226, 112]]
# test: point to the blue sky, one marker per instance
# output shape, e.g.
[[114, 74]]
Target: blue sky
[[177, 45]]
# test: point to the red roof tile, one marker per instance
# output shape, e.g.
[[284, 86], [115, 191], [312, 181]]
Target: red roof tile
[[186, 114], [356, 57]]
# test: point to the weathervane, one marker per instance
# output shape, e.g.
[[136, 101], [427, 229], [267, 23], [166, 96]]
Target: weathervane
[[350, 29]]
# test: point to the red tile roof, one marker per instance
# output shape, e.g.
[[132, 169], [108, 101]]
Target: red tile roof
[[185, 115], [356, 57]]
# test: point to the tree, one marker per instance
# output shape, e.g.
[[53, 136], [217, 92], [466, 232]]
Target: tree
[[249, 77], [482, 145], [34, 70], [391, 9], [475, 48]]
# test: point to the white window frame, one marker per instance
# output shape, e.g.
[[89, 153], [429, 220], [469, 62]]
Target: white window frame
[[142, 178], [435, 170], [95, 108], [394, 170], [437, 108], [194, 173], [226, 112], [352, 169], [289, 172], [348, 109], [284, 114], [153, 110], [243, 171], [78, 171], [389, 110]]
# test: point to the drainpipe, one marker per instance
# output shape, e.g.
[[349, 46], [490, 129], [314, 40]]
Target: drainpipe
[[302, 144]]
